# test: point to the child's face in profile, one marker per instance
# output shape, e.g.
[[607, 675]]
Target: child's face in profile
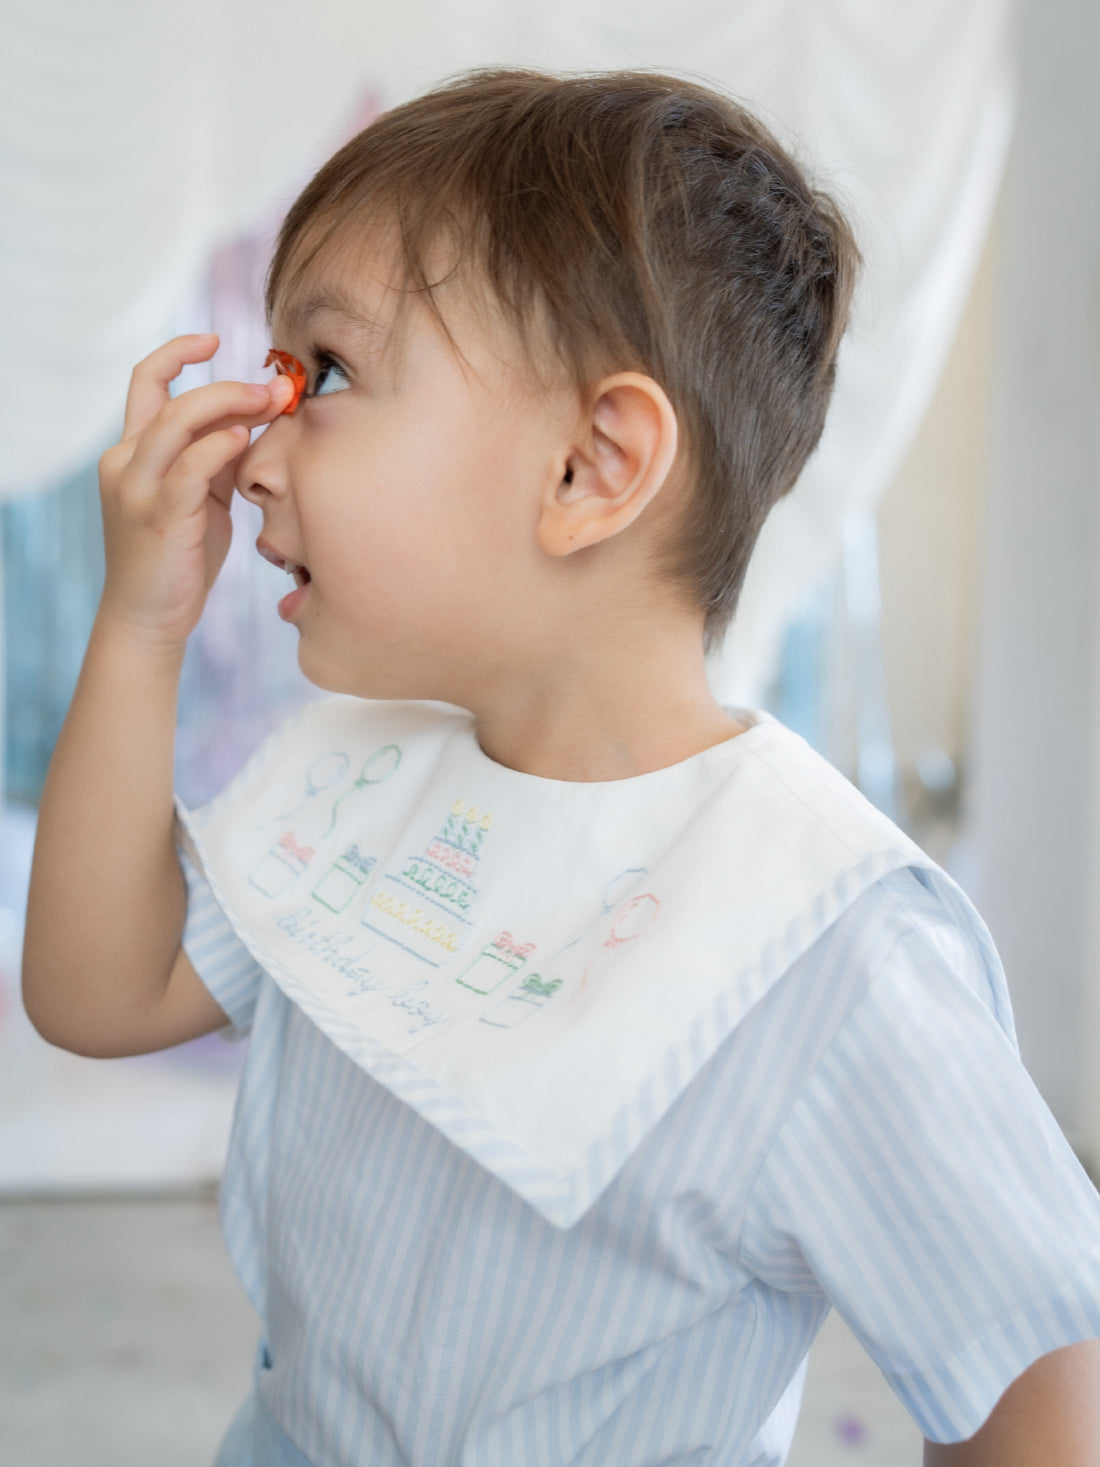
[[407, 485]]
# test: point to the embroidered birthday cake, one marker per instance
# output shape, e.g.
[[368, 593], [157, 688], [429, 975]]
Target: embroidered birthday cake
[[425, 908]]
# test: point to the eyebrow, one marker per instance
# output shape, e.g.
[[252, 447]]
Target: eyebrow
[[334, 301]]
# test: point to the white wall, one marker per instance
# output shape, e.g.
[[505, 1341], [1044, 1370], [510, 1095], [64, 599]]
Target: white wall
[[990, 554], [1034, 817], [930, 530]]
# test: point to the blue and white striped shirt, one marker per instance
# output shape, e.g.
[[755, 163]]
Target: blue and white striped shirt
[[865, 1138]]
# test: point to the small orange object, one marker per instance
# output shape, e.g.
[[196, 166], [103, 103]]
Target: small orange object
[[288, 366]]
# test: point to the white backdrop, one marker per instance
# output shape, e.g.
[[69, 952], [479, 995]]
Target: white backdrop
[[138, 133]]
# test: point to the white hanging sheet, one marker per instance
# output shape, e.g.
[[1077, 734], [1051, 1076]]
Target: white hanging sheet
[[135, 137]]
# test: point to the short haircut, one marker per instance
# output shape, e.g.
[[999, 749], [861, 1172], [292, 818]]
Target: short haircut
[[647, 223]]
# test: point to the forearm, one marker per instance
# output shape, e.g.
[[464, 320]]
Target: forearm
[[107, 898], [1050, 1415]]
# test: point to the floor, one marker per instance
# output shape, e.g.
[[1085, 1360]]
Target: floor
[[126, 1342]]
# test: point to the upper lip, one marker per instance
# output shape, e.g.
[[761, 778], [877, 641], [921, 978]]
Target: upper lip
[[276, 557]]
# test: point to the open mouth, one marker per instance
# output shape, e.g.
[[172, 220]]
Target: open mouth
[[300, 573]]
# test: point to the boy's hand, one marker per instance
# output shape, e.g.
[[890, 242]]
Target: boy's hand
[[166, 487]]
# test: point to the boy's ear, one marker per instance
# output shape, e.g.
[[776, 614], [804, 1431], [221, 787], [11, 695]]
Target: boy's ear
[[621, 458]]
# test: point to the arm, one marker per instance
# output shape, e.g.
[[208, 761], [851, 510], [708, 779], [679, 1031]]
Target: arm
[[103, 970], [107, 900], [1050, 1415]]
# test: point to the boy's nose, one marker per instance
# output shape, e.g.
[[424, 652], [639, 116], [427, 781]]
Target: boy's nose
[[260, 472]]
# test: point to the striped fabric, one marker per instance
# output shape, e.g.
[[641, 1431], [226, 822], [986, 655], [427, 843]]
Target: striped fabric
[[866, 1138]]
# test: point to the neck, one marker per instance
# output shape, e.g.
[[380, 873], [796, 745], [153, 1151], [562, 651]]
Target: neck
[[589, 717]]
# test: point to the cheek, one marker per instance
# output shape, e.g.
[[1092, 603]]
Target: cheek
[[418, 509], [380, 561]]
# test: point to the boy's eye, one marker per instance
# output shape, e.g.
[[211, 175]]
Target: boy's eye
[[330, 377]]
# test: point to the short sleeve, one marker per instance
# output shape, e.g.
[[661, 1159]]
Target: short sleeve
[[217, 954], [921, 1184]]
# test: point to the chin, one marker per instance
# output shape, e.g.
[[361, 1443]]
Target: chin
[[322, 673], [361, 680]]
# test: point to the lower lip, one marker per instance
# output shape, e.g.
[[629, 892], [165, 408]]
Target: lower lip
[[289, 605]]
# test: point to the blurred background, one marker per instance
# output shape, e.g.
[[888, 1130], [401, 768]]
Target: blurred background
[[923, 608]]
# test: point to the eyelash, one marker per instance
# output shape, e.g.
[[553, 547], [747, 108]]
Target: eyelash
[[320, 361]]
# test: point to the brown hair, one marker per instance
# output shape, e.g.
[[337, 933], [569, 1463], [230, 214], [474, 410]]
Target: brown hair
[[651, 224]]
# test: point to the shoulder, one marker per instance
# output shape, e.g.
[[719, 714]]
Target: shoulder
[[899, 981], [894, 916], [900, 997], [908, 936]]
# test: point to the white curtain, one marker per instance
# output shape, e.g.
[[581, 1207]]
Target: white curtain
[[138, 133]]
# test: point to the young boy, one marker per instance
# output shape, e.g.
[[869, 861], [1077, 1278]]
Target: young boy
[[602, 1037]]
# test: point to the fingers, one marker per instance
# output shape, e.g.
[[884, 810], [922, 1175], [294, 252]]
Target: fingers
[[200, 412], [149, 382], [189, 482], [181, 491], [166, 487]]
